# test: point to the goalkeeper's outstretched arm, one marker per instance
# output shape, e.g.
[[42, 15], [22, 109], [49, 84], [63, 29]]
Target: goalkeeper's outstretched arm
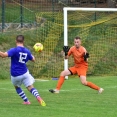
[[86, 56], [66, 50], [66, 57]]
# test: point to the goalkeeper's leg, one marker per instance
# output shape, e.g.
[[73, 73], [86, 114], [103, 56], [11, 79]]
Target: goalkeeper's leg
[[60, 81], [90, 84], [82, 73]]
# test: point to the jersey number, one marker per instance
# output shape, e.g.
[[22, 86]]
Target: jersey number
[[22, 57]]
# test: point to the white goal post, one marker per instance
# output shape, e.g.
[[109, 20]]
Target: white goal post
[[65, 11]]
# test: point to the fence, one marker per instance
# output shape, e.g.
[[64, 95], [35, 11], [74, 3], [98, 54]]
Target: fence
[[42, 21], [17, 11]]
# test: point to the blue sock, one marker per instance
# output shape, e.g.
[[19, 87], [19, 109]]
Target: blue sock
[[34, 92], [21, 94]]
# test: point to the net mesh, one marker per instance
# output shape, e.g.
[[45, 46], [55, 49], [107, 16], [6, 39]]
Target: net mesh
[[51, 35], [98, 31]]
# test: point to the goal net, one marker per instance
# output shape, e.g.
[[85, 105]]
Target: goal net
[[97, 28]]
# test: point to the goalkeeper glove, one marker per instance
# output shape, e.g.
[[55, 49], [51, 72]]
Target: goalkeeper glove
[[86, 56], [66, 49]]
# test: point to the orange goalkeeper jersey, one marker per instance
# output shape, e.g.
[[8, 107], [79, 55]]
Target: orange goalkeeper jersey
[[78, 55]]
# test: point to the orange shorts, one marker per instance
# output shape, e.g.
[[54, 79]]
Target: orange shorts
[[81, 70]]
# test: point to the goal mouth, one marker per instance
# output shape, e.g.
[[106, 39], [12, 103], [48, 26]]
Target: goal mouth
[[97, 28]]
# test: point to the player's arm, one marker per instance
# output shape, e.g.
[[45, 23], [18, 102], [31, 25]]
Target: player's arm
[[33, 59], [66, 50], [3, 54]]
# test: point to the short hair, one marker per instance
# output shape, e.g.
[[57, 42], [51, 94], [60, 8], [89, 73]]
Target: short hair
[[77, 38], [20, 38]]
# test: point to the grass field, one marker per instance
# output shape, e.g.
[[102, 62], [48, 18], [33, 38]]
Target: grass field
[[74, 99]]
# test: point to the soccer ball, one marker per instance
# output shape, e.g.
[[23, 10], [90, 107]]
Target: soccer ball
[[38, 47]]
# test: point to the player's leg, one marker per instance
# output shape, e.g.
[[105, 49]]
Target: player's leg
[[21, 93], [36, 94], [90, 84], [28, 83], [60, 81], [17, 83]]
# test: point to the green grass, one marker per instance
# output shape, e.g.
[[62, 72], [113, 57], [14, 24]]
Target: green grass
[[74, 99], [12, 14]]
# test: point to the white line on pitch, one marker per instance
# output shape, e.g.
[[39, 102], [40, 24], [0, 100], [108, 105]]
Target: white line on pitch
[[113, 87], [41, 80]]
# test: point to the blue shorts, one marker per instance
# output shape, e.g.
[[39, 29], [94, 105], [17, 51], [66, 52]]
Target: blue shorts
[[26, 79]]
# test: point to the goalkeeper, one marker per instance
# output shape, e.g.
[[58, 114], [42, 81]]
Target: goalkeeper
[[80, 56]]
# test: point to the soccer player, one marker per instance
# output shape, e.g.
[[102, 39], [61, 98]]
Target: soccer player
[[19, 72], [80, 56]]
